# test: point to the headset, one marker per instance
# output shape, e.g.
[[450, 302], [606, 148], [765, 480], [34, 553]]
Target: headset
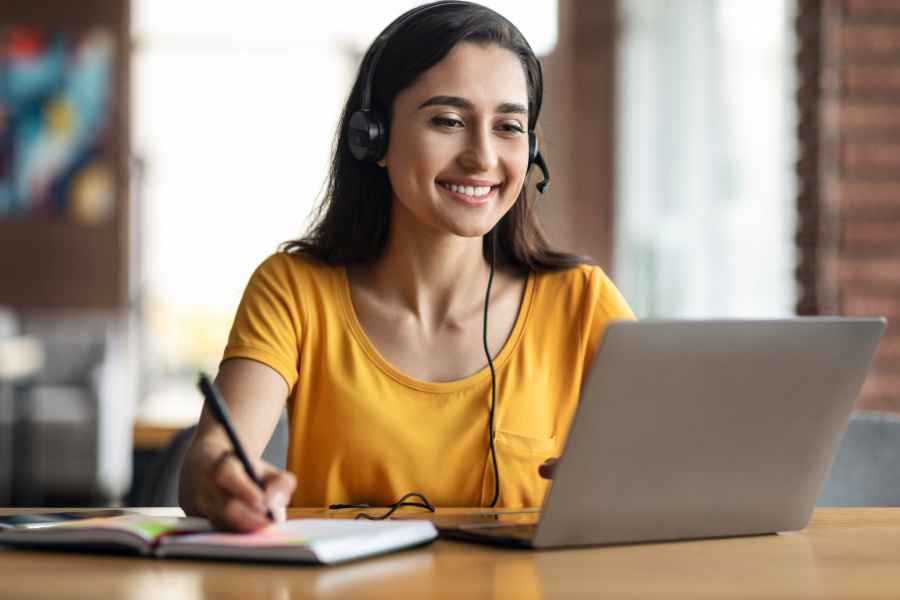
[[367, 133], [367, 138]]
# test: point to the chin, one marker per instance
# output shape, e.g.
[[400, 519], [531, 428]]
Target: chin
[[470, 229], [471, 224]]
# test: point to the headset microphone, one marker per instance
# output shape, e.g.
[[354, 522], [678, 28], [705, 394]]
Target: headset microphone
[[535, 158]]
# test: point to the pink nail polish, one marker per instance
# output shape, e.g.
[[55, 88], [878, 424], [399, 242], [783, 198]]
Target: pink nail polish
[[276, 500]]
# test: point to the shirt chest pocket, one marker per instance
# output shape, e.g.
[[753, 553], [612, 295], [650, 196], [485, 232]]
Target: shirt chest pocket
[[518, 459], [524, 443]]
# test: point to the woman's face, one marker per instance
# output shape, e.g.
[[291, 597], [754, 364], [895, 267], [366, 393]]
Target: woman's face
[[458, 146]]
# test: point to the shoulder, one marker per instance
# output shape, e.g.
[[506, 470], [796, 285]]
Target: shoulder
[[585, 286], [578, 280], [294, 270], [296, 264], [573, 276], [292, 281]]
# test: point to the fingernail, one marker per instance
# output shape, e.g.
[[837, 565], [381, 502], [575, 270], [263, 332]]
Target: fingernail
[[276, 499], [258, 506], [276, 505], [280, 514]]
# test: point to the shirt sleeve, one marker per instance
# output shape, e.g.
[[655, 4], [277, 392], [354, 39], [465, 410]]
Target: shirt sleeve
[[603, 304], [269, 322]]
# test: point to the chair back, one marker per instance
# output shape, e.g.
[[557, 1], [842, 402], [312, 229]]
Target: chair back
[[866, 470], [160, 486]]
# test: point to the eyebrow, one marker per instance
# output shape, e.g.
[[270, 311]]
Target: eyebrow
[[505, 108], [512, 108]]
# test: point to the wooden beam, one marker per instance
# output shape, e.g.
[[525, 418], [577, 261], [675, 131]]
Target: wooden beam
[[578, 125]]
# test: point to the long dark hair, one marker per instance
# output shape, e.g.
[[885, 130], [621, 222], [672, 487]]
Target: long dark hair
[[352, 220]]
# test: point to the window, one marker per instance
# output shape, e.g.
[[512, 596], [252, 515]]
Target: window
[[705, 185]]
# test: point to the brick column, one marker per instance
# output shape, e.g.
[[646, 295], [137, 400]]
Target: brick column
[[850, 226]]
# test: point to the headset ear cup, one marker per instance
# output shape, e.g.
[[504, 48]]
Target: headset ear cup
[[366, 135], [381, 137], [532, 149]]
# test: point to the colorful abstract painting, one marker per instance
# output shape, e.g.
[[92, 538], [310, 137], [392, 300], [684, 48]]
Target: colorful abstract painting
[[57, 99]]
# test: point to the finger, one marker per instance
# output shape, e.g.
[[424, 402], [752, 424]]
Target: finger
[[233, 515], [279, 487], [547, 468], [226, 512], [232, 480], [239, 517]]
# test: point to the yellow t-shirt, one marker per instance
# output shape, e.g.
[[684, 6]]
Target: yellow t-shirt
[[362, 431]]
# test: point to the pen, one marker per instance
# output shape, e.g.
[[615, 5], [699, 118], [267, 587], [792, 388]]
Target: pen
[[217, 405]]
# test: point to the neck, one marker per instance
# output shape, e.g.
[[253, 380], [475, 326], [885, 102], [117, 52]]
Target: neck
[[432, 274]]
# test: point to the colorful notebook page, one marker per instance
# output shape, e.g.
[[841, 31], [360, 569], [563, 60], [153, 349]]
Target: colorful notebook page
[[150, 529]]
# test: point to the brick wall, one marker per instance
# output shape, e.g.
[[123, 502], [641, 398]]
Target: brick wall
[[850, 221]]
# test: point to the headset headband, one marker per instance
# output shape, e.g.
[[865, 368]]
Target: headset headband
[[382, 40]]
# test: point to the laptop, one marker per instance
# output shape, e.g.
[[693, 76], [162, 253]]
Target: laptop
[[696, 429]]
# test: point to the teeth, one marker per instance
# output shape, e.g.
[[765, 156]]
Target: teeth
[[467, 190]]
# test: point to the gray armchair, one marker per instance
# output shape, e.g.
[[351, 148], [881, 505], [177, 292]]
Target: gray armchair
[[160, 486], [866, 471]]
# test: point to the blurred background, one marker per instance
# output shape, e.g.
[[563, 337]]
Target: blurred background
[[719, 158]]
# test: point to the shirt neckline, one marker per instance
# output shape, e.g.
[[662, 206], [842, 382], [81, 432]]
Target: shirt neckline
[[428, 386]]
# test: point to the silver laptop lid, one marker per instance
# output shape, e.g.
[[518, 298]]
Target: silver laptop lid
[[693, 429]]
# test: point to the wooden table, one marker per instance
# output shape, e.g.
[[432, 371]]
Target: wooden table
[[843, 553]]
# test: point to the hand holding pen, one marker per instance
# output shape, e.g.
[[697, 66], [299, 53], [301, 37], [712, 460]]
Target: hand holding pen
[[234, 494]]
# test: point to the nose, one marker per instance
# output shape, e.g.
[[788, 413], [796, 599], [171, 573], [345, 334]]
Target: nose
[[479, 153]]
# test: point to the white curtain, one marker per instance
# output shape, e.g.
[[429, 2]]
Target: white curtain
[[705, 188]]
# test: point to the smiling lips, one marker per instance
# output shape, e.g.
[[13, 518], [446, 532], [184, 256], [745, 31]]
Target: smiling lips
[[470, 194]]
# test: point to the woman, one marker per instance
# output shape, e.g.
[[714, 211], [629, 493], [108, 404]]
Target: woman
[[373, 328]]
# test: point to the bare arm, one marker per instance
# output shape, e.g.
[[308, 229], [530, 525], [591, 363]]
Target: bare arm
[[213, 483]]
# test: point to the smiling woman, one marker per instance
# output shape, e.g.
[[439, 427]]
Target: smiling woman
[[374, 327]]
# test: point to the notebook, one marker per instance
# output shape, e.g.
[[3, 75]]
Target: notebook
[[696, 429], [324, 541]]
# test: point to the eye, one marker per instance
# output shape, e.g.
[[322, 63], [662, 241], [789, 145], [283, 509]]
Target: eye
[[511, 128], [447, 122]]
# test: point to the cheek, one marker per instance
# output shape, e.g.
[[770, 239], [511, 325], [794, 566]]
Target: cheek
[[517, 168], [413, 160]]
